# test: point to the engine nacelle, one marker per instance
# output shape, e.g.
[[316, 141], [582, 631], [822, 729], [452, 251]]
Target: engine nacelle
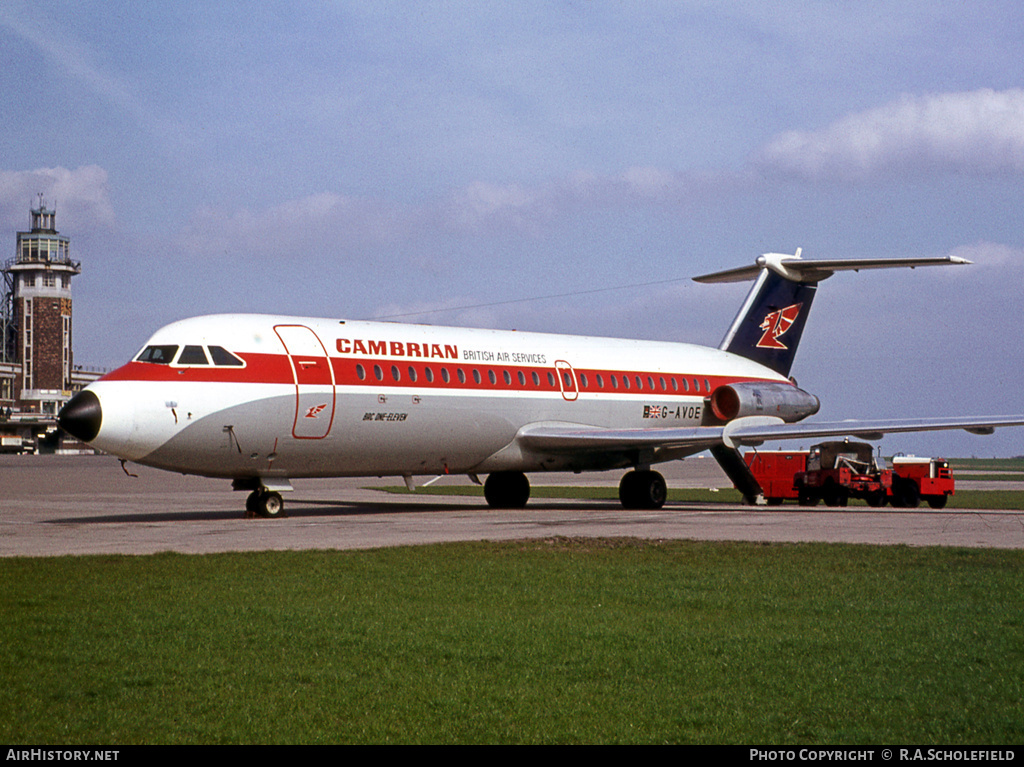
[[782, 400]]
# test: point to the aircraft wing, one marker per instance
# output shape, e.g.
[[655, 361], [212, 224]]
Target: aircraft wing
[[751, 431]]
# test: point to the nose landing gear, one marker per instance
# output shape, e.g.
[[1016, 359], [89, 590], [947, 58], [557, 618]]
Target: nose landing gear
[[265, 503], [265, 497]]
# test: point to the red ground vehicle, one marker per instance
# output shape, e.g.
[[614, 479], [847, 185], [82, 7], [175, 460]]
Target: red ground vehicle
[[832, 472], [774, 471], [921, 479]]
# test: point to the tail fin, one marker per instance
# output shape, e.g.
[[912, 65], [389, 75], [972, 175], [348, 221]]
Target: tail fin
[[771, 321], [768, 327]]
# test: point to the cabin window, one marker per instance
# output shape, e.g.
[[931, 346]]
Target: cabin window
[[600, 381], [378, 373], [412, 374], [707, 386], [675, 384], [536, 378], [395, 374], [522, 378], [661, 380], [444, 375], [615, 382], [583, 380], [159, 355], [462, 376], [476, 375], [508, 377], [429, 372], [551, 380], [686, 385], [361, 372], [625, 382], [222, 356], [491, 377], [639, 383]]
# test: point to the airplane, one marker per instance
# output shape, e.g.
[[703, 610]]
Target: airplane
[[262, 400]]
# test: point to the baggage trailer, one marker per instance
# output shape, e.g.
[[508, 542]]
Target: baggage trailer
[[774, 471]]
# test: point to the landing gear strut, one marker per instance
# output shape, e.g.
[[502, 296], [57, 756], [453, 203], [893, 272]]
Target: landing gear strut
[[643, 489], [507, 490], [265, 503]]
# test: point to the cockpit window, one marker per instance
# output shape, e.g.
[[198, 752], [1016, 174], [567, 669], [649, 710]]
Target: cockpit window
[[193, 355], [222, 356], [160, 355]]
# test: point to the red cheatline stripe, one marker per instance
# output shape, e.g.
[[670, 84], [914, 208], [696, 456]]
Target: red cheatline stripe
[[276, 369]]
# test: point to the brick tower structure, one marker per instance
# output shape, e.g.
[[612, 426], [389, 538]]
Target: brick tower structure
[[40, 277]]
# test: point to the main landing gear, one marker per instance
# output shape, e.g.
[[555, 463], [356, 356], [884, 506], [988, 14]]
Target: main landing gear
[[507, 490], [643, 489], [265, 503]]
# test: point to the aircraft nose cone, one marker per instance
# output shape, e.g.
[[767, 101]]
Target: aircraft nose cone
[[82, 416]]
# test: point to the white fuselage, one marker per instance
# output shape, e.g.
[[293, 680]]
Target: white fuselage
[[320, 397]]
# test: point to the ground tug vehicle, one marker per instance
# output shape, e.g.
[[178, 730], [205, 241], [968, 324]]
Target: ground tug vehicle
[[836, 471]]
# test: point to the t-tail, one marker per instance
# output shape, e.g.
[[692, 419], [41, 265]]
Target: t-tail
[[771, 321]]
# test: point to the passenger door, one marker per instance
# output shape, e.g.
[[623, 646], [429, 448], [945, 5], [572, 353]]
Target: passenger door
[[315, 390]]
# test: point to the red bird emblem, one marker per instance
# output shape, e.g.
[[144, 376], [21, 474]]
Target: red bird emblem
[[775, 326], [314, 411]]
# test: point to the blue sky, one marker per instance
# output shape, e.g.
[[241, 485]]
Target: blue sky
[[375, 159]]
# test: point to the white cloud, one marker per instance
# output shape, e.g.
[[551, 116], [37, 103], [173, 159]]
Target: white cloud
[[478, 207], [321, 221], [480, 201], [976, 132], [79, 196]]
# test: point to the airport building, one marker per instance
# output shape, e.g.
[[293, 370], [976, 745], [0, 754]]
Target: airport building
[[37, 370]]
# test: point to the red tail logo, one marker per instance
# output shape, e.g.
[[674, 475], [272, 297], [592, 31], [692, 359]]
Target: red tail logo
[[775, 326]]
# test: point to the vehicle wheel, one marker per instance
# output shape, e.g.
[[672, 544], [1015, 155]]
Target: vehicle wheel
[[937, 501], [876, 499], [807, 498], [834, 495], [270, 504], [643, 490], [252, 502], [906, 495], [507, 490], [774, 501]]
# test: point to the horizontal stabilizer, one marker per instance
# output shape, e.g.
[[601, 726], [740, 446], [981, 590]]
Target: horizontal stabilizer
[[796, 269]]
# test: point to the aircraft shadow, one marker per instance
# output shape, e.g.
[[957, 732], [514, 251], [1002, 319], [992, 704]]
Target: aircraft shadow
[[318, 508]]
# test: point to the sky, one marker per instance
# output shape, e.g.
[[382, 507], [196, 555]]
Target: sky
[[549, 166]]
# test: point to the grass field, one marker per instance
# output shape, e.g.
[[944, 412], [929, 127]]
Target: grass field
[[987, 464], [556, 641]]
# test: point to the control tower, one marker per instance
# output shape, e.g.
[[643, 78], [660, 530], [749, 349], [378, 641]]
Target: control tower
[[38, 309]]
